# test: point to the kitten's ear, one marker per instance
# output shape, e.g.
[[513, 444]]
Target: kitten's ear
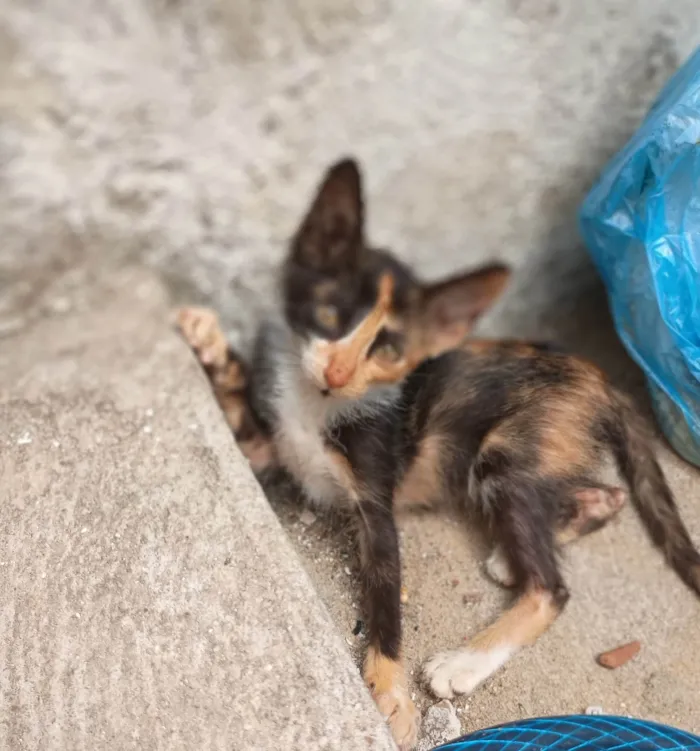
[[330, 238], [451, 307]]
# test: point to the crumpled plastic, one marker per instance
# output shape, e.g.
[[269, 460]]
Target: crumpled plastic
[[641, 224]]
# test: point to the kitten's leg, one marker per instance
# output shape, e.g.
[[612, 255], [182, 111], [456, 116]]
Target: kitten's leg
[[521, 517], [381, 582], [229, 378], [460, 671], [590, 510], [593, 508]]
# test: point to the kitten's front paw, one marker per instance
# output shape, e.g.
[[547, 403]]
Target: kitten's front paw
[[462, 670], [401, 714], [201, 330]]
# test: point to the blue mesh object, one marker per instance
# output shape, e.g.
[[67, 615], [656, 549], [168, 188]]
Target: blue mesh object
[[641, 223], [576, 733]]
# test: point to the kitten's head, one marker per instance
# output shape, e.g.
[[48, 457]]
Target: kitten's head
[[333, 297], [362, 358]]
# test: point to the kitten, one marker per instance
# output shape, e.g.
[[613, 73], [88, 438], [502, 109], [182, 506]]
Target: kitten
[[516, 431], [513, 430], [332, 275]]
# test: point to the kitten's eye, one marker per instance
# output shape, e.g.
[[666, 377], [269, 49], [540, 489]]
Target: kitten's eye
[[387, 352], [387, 346], [327, 316]]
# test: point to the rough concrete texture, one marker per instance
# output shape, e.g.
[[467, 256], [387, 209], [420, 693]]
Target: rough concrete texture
[[190, 134], [150, 599]]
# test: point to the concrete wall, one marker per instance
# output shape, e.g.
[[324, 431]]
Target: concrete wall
[[190, 133]]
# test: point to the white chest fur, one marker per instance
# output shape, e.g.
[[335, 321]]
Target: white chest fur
[[302, 415]]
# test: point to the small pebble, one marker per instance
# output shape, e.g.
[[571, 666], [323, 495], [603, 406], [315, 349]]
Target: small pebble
[[404, 595], [147, 429], [440, 724], [616, 658], [347, 571], [24, 440], [595, 710], [307, 517]]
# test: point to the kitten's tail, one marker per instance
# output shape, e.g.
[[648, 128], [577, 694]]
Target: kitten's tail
[[633, 450]]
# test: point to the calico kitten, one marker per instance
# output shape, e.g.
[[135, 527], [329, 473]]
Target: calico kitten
[[516, 431], [331, 276], [513, 430], [329, 283]]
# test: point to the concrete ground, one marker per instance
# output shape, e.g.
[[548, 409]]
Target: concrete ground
[[188, 136], [150, 599]]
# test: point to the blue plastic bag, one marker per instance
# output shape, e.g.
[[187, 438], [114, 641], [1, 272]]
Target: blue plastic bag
[[641, 223]]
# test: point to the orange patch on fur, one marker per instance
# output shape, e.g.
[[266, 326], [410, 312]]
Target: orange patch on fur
[[521, 625], [348, 370], [345, 354], [566, 442], [381, 673], [386, 680], [422, 484]]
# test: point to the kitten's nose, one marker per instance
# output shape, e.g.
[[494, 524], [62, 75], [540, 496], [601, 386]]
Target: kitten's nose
[[338, 374]]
